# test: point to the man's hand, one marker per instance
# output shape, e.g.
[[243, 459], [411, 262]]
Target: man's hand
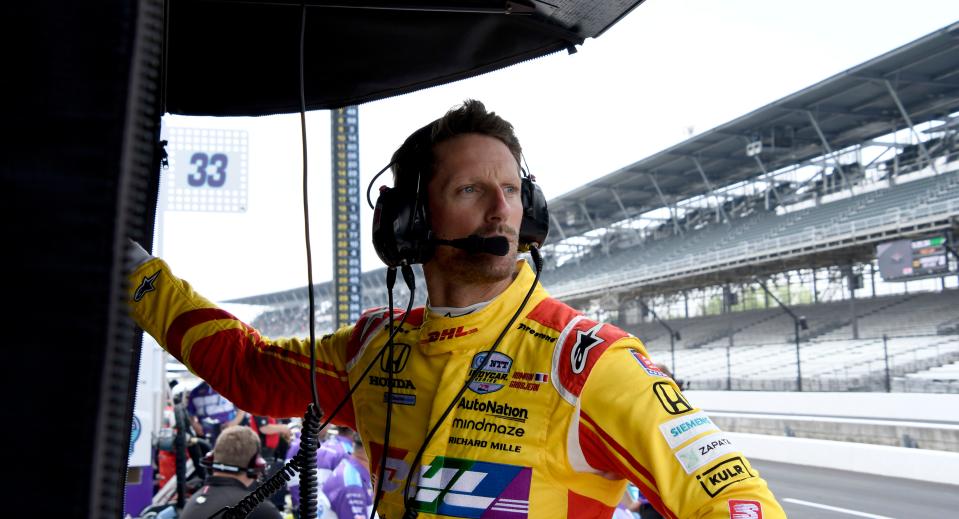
[[135, 256]]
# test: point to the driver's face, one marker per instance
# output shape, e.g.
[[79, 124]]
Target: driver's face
[[475, 189]]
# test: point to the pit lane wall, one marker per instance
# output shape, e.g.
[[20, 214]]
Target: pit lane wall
[[907, 435]]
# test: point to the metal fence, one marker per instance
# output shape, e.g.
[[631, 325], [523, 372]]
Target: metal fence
[[888, 363]]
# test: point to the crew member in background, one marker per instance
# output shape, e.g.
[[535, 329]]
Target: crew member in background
[[210, 412], [275, 436], [235, 466], [337, 446], [348, 488]]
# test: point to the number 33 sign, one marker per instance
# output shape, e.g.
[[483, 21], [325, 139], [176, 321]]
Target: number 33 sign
[[208, 170], [216, 177]]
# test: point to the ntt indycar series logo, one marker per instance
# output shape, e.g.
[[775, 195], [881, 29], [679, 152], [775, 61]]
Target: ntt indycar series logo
[[494, 374]]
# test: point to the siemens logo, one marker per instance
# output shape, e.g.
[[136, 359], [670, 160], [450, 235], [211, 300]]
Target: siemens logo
[[689, 425], [680, 430]]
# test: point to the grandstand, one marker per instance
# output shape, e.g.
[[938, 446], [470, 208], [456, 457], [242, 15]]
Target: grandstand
[[792, 198]]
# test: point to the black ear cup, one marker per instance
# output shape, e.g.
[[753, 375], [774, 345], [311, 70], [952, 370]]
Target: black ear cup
[[401, 230], [257, 467], [254, 469], [535, 226]]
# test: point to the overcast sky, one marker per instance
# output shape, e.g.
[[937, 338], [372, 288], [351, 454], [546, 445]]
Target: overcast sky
[[668, 67]]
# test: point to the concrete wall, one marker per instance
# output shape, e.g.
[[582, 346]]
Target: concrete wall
[[899, 462], [849, 415], [940, 408]]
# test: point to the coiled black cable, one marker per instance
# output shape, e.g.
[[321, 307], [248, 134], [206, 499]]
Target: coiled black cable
[[409, 501], [305, 460]]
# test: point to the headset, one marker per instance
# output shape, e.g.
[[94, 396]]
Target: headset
[[402, 234], [254, 469]]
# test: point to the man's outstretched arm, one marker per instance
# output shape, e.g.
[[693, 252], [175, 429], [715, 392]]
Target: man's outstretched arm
[[261, 375]]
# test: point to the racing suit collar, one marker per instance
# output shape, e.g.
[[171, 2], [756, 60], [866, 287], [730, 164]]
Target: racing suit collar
[[479, 330]]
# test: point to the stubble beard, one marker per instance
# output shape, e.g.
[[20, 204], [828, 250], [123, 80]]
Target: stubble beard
[[480, 268]]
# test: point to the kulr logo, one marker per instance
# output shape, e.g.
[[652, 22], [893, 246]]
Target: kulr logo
[[725, 473]]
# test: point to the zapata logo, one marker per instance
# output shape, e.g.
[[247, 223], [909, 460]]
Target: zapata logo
[[585, 341], [147, 285]]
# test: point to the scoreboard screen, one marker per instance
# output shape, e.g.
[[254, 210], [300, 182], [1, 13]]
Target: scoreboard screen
[[904, 260]]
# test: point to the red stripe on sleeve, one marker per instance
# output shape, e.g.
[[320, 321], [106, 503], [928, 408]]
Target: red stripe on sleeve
[[416, 316], [365, 326], [277, 388], [187, 320], [297, 357], [552, 313], [358, 337], [596, 443], [581, 506]]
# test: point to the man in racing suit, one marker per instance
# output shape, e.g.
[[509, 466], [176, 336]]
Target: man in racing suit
[[563, 413]]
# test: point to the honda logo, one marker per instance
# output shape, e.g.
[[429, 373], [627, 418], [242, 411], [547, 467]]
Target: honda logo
[[401, 354], [671, 399]]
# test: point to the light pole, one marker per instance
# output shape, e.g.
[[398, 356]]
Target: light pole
[[673, 335], [799, 321]]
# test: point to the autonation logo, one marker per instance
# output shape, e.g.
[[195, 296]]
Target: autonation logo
[[494, 408]]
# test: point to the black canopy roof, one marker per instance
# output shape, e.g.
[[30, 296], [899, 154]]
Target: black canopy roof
[[239, 57]]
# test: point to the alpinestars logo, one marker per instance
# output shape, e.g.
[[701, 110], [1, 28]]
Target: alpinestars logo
[[147, 285], [585, 341], [466, 488]]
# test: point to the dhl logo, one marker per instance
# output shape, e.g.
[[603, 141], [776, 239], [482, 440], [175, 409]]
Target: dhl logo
[[449, 333]]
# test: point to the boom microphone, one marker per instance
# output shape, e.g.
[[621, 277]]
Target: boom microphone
[[495, 245]]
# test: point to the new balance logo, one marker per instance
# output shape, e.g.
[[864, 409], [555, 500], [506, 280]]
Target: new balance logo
[[465, 488]]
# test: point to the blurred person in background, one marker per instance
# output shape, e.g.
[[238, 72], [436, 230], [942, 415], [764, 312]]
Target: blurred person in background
[[235, 466]]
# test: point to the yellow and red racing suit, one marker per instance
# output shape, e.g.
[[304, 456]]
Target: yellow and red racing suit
[[563, 413]]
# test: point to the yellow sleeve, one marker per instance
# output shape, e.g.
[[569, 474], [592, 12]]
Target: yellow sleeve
[[258, 374], [636, 423]]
